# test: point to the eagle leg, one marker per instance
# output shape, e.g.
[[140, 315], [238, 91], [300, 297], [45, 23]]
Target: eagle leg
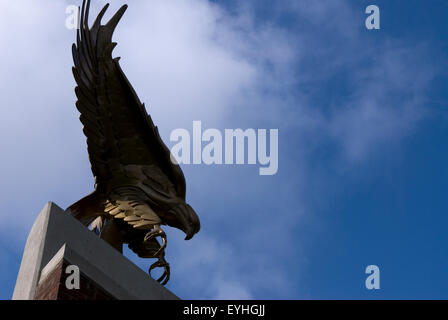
[[160, 253]]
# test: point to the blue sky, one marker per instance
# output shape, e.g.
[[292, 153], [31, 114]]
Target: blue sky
[[362, 118]]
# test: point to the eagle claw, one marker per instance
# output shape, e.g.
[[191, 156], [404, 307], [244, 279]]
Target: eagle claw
[[161, 263], [160, 254], [156, 232]]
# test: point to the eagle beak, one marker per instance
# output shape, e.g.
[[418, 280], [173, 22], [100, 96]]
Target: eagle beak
[[190, 221]]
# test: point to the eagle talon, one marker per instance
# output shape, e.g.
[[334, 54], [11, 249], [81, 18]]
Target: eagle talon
[[160, 254], [156, 232], [161, 263]]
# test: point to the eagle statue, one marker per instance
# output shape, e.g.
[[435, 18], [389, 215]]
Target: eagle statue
[[138, 187]]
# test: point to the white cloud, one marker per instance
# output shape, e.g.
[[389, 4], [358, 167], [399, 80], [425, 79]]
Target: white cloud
[[191, 59]]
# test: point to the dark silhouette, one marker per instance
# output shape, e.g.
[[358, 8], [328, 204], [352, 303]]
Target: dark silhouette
[[137, 186]]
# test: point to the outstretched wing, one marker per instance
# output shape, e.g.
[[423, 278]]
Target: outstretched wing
[[119, 131]]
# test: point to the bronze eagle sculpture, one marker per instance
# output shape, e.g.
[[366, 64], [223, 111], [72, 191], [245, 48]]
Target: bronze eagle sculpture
[[138, 187]]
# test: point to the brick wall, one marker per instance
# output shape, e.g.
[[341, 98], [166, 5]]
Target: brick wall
[[53, 287]]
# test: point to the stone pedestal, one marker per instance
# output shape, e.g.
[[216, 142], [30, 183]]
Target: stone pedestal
[[59, 249]]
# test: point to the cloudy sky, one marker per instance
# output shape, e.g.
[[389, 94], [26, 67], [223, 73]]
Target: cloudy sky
[[362, 118]]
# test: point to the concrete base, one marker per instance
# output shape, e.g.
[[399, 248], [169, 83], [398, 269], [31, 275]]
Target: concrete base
[[57, 240]]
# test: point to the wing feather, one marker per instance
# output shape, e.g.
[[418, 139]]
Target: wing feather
[[118, 129]]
